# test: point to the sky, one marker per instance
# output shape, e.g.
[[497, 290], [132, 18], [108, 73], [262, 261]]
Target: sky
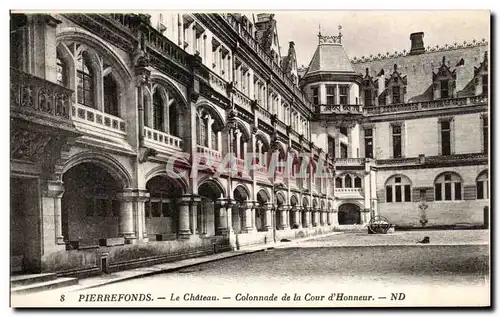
[[373, 32]]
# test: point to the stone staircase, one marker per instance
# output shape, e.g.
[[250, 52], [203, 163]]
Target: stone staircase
[[30, 283]]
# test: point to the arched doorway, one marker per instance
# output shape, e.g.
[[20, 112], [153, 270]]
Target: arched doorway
[[349, 214], [161, 210], [90, 209], [208, 215]]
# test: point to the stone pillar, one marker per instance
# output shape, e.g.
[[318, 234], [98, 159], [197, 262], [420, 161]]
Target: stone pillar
[[229, 215], [365, 216], [268, 217], [221, 223], [183, 230], [329, 217], [281, 210], [126, 218], [296, 217], [323, 217], [53, 192], [248, 217], [305, 217], [193, 215]]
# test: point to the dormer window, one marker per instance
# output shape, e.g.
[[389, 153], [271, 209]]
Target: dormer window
[[444, 89], [444, 81], [485, 85], [396, 94]]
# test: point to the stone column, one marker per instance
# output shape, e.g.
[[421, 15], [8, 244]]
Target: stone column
[[268, 217], [53, 192], [314, 217], [296, 217], [126, 217], [229, 215], [329, 217], [323, 217], [365, 216], [305, 217], [281, 210], [247, 217], [193, 215], [221, 227], [183, 230]]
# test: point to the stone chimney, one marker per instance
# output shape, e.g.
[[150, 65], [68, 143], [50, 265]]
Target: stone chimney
[[417, 43]]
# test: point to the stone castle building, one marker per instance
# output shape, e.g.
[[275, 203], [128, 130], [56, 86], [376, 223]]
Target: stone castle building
[[103, 106]]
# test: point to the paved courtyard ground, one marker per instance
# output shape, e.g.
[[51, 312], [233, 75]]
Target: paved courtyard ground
[[452, 270]]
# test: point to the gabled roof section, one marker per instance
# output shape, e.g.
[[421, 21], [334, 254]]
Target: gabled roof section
[[483, 66], [330, 56], [444, 71]]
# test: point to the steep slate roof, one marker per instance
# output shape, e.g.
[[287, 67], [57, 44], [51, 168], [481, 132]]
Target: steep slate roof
[[330, 58], [419, 68]]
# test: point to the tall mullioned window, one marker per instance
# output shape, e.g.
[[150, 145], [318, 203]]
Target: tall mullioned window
[[396, 141], [448, 186], [485, 134], [343, 95], [331, 146], [330, 94], [398, 189], [158, 115], [85, 84], [482, 186], [445, 137], [369, 143], [315, 95]]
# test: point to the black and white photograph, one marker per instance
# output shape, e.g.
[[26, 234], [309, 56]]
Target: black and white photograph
[[179, 159]]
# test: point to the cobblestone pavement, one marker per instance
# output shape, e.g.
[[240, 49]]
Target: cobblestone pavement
[[436, 237], [454, 261]]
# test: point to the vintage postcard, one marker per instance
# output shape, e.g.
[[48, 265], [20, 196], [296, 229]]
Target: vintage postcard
[[250, 159]]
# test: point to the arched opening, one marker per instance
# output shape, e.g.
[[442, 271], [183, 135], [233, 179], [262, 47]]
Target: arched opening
[[85, 81], [241, 196], [261, 219], [173, 118], [209, 126], [90, 207], [305, 207], [279, 219], [349, 214], [110, 95], [482, 186], [208, 214], [161, 210], [448, 186], [291, 214], [158, 115]]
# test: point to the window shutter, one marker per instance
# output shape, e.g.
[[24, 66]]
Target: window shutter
[[415, 194], [429, 194], [470, 192]]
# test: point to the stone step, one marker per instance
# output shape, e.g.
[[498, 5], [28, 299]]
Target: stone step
[[25, 279], [45, 285]]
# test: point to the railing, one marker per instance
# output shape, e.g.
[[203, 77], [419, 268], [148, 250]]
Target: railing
[[426, 105], [218, 84], [162, 138], [153, 38], [264, 115], [248, 38], [97, 118], [35, 93], [339, 109], [213, 154], [401, 160], [456, 157], [350, 161], [349, 190], [242, 100]]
